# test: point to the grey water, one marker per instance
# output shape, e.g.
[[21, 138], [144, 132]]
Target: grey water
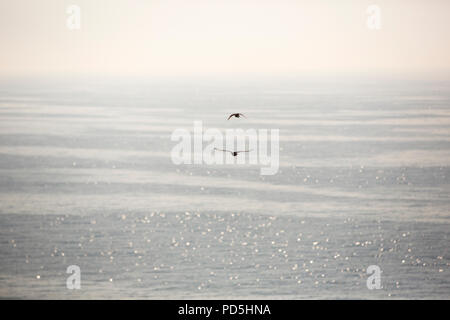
[[87, 179]]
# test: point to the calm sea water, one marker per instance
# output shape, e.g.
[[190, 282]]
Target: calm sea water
[[86, 179]]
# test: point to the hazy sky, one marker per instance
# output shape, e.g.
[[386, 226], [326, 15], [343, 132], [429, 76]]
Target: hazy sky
[[196, 37]]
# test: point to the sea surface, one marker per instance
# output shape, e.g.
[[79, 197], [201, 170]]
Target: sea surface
[[87, 179]]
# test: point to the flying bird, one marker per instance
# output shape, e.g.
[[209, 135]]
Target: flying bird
[[233, 153], [237, 115]]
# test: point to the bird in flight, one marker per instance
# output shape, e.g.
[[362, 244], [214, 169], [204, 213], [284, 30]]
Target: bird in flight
[[233, 153], [237, 115]]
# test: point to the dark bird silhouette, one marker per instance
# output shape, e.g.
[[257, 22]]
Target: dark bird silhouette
[[233, 153], [237, 115]]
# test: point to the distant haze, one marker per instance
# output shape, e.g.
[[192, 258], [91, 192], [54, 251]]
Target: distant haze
[[202, 37]]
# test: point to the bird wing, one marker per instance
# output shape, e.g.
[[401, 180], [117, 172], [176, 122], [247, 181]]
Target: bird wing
[[244, 151], [223, 150], [231, 115], [242, 115]]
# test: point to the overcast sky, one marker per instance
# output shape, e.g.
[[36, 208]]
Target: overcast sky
[[197, 37]]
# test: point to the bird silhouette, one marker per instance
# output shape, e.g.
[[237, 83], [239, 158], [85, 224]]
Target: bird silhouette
[[233, 153], [237, 115]]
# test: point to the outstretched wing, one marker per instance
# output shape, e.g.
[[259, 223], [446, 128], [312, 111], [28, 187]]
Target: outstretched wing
[[231, 115], [241, 114], [244, 151], [223, 150]]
